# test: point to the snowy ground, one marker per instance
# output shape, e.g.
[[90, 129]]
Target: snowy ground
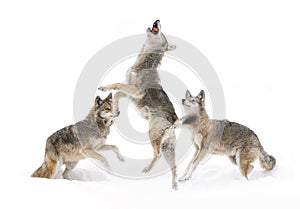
[[215, 184], [253, 47]]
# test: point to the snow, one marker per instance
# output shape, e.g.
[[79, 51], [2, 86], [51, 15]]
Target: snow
[[215, 183], [253, 47]]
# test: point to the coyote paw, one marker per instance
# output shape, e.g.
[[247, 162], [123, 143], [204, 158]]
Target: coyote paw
[[146, 170], [177, 124], [170, 128], [102, 88], [67, 177], [184, 178], [175, 186], [121, 158]]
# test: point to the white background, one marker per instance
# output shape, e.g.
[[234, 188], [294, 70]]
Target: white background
[[254, 47]]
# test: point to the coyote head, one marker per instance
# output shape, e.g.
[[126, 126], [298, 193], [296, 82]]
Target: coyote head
[[197, 102], [156, 41], [104, 108]]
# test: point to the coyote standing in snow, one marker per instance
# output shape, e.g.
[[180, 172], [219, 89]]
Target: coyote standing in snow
[[143, 87], [79, 141], [236, 141]]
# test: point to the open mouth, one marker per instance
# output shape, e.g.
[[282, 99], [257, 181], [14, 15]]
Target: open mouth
[[155, 28]]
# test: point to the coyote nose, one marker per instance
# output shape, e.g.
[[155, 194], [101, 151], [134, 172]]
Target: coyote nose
[[183, 101]]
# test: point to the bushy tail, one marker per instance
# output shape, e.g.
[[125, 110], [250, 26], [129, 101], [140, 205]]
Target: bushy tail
[[266, 161], [48, 168]]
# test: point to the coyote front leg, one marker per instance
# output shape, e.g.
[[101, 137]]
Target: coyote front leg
[[92, 154], [130, 90], [113, 148], [200, 154], [116, 99], [114, 86]]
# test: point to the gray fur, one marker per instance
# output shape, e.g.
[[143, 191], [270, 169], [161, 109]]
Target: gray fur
[[152, 60], [223, 137], [82, 140], [144, 89]]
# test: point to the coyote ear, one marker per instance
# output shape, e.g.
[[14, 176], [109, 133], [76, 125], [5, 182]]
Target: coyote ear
[[148, 32], [171, 47], [98, 101], [187, 94], [109, 97], [201, 95]]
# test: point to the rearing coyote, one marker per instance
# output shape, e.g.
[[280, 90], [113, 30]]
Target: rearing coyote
[[143, 87], [234, 140]]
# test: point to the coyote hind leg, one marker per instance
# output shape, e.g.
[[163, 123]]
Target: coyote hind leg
[[244, 159], [69, 167], [156, 143], [232, 159], [168, 150]]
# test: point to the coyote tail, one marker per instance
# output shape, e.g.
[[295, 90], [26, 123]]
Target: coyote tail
[[266, 161], [48, 168]]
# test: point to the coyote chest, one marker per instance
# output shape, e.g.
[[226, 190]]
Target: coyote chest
[[91, 135], [154, 100]]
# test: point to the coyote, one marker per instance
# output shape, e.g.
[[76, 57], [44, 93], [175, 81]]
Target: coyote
[[144, 89], [79, 141], [234, 140]]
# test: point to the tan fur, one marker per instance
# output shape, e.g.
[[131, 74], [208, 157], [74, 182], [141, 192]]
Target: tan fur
[[79, 141], [48, 168], [143, 88], [222, 137]]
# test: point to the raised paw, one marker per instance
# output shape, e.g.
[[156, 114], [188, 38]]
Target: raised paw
[[102, 88], [114, 86], [171, 127], [121, 158], [146, 170], [167, 130], [177, 124]]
